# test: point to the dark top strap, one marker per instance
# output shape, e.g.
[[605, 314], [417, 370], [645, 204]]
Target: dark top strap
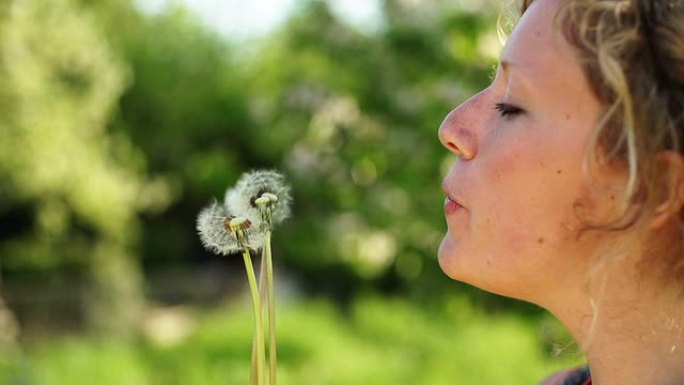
[[580, 376]]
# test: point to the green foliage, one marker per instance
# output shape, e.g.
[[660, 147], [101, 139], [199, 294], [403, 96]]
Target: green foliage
[[73, 187], [379, 341], [60, 84]]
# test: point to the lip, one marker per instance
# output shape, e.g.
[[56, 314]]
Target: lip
[[451, 206], [450, 197]]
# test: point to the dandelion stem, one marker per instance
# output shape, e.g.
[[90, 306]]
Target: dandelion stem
[[258, 321], [272, 356], [262, 297]]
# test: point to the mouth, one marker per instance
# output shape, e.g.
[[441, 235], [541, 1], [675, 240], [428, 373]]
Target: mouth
[[451, 206]]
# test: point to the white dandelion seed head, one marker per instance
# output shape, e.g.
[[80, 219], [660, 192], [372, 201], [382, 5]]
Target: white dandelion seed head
[[252, 186], [213, 226]]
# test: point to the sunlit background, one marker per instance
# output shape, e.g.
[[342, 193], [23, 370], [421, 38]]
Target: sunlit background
[[240, 20], [121, 119]]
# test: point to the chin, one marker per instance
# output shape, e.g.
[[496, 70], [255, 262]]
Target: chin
[[449, 260], [443, 255], [464, 268]]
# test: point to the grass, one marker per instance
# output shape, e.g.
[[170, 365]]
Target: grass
[[378, 341]]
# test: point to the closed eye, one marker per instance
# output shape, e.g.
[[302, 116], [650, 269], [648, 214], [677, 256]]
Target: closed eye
[[507, 110]]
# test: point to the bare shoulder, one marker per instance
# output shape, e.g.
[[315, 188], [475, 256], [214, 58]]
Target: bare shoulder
[[555, 378]]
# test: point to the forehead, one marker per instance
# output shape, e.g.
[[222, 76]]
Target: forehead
[[536, 44]]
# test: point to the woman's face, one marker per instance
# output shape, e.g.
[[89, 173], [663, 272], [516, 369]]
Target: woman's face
[[520, 144]]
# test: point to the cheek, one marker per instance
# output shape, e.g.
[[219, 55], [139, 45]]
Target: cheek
[[530, 192]]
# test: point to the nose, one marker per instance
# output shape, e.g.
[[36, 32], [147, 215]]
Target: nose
[[458, 131]]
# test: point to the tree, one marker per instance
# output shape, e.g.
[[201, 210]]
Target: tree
[[71, 189]]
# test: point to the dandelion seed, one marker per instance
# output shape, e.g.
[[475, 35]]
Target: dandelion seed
[[217, 235], [257, 184], [239, 226], [262, 201], [271, 197]]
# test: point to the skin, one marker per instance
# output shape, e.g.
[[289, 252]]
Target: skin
[[518, 178]]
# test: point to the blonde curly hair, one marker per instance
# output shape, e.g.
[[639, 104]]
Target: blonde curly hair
[[632, 53]]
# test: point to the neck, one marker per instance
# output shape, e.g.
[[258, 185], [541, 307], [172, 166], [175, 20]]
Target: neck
[[636, 333]]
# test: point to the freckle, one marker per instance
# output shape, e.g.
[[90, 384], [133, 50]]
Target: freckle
[[541, 163], [559, 171], [540, 240], [567, 116], [489, 262], [612, 197]]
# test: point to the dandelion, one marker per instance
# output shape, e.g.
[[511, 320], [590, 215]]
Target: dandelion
[[264, 197], [259, 200]]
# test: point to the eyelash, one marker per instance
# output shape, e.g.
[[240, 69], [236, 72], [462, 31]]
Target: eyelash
[[507, 110]]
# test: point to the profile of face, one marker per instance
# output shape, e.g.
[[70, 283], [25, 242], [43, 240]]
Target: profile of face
[[520, 142]]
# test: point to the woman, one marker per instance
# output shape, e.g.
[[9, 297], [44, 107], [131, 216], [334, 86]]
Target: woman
[[569, 184]]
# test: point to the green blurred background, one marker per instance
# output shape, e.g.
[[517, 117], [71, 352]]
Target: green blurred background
[[117, 125]]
